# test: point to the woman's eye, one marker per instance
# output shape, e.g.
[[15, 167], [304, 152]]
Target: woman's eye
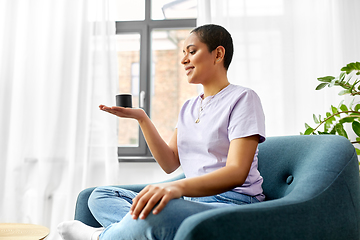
[[192, 52]]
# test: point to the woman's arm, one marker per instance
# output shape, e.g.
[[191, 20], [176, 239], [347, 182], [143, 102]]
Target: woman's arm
[[166, 155], [240, 156]]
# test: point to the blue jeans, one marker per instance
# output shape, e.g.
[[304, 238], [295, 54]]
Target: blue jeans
[[111, 205]]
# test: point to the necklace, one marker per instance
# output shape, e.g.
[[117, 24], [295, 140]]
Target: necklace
[[201, 108]]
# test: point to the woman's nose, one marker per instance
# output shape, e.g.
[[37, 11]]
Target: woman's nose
[[184, 60]]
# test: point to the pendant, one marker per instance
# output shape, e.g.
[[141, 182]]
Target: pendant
[[197, 120]]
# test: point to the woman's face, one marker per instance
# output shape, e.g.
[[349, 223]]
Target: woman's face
[[198, 61]]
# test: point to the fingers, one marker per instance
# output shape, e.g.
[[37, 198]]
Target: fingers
[[146, 204], [164, 201], [134, 113], [106, 108], [118, 111], [147, 199], [138, 203]]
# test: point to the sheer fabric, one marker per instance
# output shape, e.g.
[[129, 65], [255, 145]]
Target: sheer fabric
[[282, 46], [57, 65]]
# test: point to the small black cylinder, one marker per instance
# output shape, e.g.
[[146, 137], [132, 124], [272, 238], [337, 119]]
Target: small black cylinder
[[124, 100]]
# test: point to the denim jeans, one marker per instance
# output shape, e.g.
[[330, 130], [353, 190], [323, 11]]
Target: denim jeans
[[111, 205]]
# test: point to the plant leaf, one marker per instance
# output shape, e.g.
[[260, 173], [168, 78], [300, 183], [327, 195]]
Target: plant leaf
[[323, 133], [308, 131], [333, 82], [357, 64], [321, 86], [352, 66], [326, 127], [351, 103], [349, 68], [347, 119], [333, 131], [342, 76], [357, 152], [356, 127], [357, 107], [334, 109], [343, 92], [346, 69], [330, 120], [343, 108], [326, 79], [315, 119], [340, 130]]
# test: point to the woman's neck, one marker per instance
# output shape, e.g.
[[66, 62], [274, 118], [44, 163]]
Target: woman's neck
[[213, 89]]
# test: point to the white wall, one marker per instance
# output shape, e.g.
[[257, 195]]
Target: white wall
[[134, 173]]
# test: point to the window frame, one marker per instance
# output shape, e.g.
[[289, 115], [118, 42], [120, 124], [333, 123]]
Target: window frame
[[141, 153]]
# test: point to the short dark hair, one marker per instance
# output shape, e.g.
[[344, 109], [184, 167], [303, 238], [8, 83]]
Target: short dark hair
[[213, 36]]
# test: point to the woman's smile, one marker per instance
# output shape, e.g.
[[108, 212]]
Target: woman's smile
[[188, 69]]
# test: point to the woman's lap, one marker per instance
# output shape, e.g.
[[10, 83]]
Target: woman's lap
[[110, 206]]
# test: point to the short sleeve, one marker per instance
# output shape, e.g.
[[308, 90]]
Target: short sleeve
[[247, 117]]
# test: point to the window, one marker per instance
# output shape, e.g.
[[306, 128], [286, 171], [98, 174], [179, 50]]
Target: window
[[150, 35]]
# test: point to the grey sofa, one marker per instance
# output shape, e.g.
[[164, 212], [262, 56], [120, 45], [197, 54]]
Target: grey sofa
[[312, 191]]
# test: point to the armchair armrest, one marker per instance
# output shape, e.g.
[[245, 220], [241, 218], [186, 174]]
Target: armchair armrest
[[322, 216]]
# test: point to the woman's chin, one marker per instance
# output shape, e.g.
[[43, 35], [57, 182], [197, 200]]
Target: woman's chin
[[192, 80]]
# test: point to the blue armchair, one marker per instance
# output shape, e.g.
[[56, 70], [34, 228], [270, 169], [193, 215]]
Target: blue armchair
[[312, 191]]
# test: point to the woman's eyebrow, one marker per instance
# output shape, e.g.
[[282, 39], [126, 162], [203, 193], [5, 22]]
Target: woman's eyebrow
[[188, 46]]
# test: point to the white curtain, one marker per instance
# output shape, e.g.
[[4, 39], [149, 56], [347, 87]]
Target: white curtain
[[282, 47], [56, 66]]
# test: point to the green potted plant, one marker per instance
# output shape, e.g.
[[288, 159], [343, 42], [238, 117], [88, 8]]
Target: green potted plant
[[334, 120]]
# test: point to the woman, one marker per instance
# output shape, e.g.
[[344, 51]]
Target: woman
[[215, 142]]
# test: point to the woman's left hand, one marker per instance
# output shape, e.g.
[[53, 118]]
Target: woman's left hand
[[146, 200]]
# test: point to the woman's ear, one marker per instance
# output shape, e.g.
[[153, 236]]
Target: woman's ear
[[220, 53]]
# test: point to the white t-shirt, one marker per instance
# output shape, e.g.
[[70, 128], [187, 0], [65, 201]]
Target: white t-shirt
[[234, 112]]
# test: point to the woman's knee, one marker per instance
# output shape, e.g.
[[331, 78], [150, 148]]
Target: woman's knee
[[97, 195], [108, 193]]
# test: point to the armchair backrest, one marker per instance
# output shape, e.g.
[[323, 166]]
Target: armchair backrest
[[301, 167]]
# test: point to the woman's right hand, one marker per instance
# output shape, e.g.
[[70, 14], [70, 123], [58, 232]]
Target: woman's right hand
[[134, 113], [166, 155]]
